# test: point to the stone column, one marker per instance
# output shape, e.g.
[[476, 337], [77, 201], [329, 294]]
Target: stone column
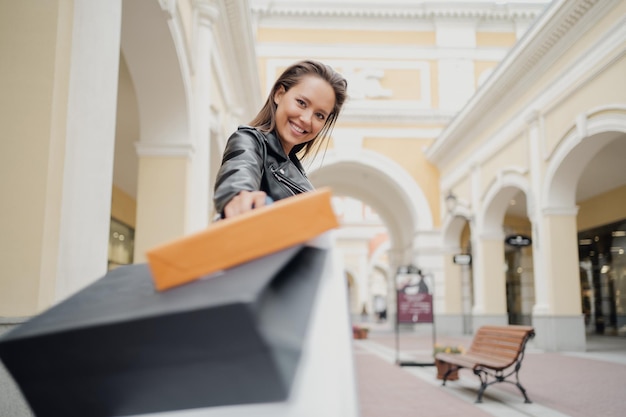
[[487, 264], [558, 320], [560, 326], [201, 189], [450, 319], [59, 109], [489, 280], [456, 76]]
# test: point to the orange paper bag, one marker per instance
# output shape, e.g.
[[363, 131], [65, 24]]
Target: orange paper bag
[[232, 241]]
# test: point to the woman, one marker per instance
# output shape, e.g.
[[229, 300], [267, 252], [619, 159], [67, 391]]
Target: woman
[[261, 160]]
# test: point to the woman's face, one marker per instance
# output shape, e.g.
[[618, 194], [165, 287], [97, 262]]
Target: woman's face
[[302, 111]]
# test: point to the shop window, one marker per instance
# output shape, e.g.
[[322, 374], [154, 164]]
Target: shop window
[[602, 256], [121, 244]]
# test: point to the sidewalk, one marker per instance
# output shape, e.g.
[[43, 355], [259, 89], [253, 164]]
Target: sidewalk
[[559, 384]]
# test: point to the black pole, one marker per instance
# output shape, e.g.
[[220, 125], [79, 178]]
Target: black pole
[[397, 326], [413, 363]]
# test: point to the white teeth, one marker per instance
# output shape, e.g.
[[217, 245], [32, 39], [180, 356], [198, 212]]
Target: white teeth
[[297, 129]]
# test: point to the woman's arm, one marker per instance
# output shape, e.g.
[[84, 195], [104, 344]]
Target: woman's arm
[[239, 177]]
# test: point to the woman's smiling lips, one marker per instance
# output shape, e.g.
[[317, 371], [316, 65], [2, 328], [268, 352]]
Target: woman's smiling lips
[[297, 128]]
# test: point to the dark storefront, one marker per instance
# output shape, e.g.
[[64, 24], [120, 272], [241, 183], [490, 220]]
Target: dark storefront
[[602, 256]]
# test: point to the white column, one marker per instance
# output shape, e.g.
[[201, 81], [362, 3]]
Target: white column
[[536, 218], [488, 265], [456, 75], [89, 145], [201, 192], [562, 328]]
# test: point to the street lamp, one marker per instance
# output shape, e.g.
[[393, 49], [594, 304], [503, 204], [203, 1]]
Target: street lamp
[[451, 202]]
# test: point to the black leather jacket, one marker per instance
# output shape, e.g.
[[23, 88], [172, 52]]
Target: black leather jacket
[[243, 168]]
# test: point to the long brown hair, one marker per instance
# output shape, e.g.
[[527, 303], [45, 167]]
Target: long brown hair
[[265, 120]]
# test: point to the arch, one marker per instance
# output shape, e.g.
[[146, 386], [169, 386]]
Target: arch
[[352, 292], [591, 133], [497, 197], [380, 249], [385, 186], [154, 54], [453, 226]]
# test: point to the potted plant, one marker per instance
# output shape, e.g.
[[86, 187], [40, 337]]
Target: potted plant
[[359, 332], [442, 367]]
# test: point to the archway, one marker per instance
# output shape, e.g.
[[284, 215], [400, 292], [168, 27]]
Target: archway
[[505, 221], [154, 141], [386, 187], [587, 177], [391, 192]]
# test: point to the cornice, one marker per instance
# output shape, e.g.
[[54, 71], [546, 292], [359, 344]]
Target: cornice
[[542, 45], [243, 54], [398, 10], [169, 149], [231, 24], [398, 115]]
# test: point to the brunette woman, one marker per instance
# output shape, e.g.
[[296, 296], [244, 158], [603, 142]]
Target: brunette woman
[[261, 162]]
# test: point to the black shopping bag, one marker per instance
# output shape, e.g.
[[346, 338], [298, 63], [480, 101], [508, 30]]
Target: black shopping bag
[[119, 347]]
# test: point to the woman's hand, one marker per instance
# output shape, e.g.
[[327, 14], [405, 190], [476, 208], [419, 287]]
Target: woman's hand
[[244, 202]]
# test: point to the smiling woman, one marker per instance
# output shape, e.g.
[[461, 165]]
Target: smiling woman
[[302, 111], [261, 162]]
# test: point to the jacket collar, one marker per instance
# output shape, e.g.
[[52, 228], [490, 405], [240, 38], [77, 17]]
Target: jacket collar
[[277, 149]]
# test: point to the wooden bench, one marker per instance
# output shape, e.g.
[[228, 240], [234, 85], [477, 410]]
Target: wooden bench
[[496, 354]]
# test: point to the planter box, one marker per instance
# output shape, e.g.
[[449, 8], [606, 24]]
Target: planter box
[[359, 333], [442, 368]]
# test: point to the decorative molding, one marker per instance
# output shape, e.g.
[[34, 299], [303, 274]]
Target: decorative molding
[[174, 149], [182, 44], [398, 118], [234, 50], [169, 7], [545, 42], [392, 112], [208, 11], [491, 236], [397, 10], [560, 211], [286, 50], [386, 132]]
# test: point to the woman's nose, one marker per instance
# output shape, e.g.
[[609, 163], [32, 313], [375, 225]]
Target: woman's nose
[[306, 116]]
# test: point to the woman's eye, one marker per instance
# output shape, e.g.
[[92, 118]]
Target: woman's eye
[[321, 116], [300, 102]]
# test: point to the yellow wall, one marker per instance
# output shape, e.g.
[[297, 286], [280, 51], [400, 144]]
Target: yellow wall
[[603, 209], [518, 224], [608, 87], [163, 190], [345, 36], [404, 84], [434, 82], [495, 39], [123, 207], [513, 155], [35, 39]]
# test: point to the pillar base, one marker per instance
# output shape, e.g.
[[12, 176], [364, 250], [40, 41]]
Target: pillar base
[[449, 324], [489, 320], [559, 333]]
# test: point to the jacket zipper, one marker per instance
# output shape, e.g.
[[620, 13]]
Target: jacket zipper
[[290, 185]]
